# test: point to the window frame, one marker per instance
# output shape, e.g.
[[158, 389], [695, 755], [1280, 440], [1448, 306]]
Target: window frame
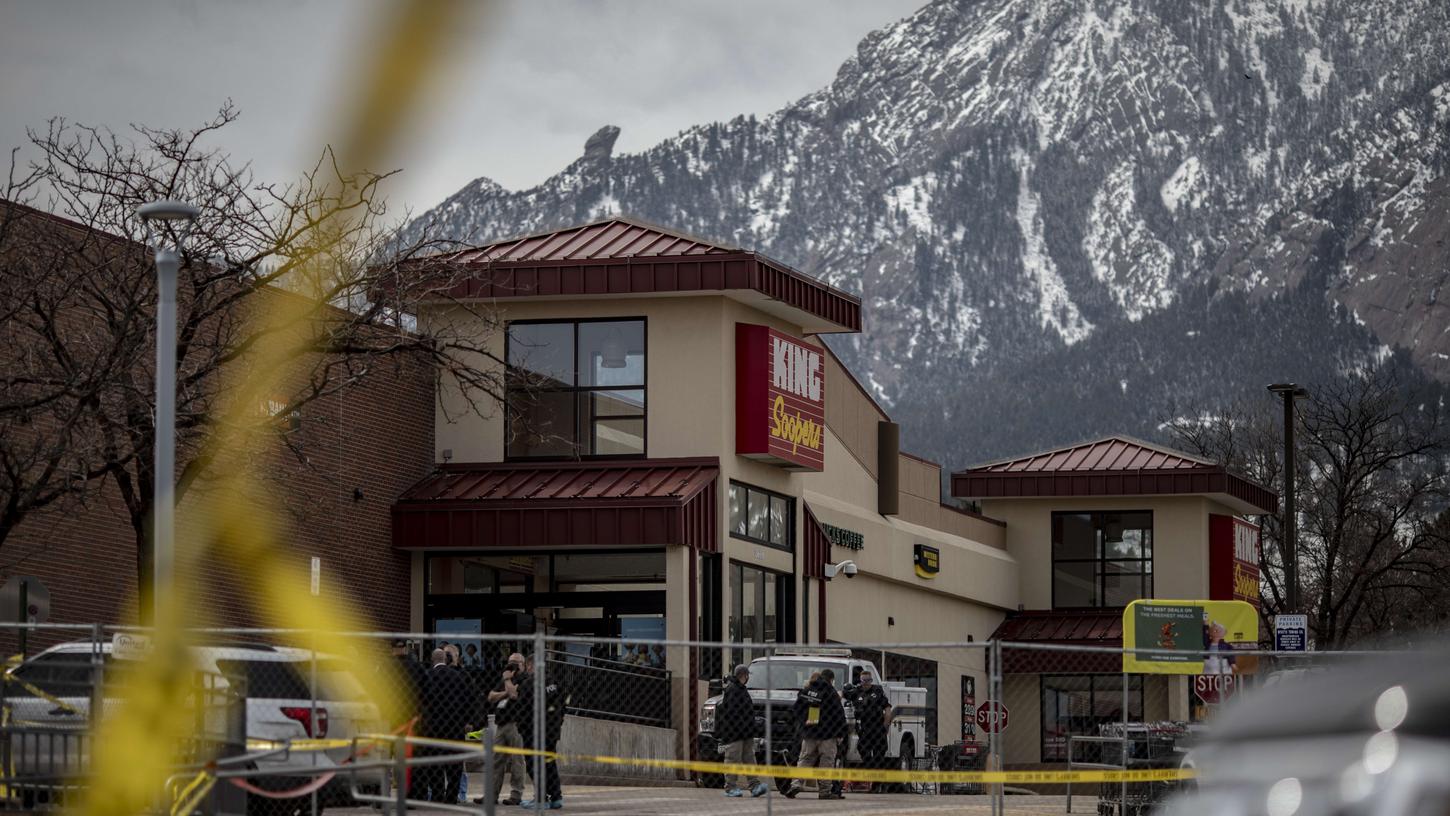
[[1100, 557], [578, 437], [784, 599], [1137, 684], [770, 496]]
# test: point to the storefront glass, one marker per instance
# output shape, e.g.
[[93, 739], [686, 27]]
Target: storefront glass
[[761, 609], [598, 594], [576, 388], [1077, 704], [1101, 559]]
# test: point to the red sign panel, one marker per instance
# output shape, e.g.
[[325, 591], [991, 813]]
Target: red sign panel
[[1233, 560], [992, 717], [780, 398], [1214, 688]]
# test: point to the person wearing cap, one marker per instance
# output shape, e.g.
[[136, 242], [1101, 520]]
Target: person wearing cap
[[735, 732], [822, 722]]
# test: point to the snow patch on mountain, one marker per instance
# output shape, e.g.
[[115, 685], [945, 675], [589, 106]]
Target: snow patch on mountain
[[1183, 186], [1054, 304], [1317, 71], [1126, 256]]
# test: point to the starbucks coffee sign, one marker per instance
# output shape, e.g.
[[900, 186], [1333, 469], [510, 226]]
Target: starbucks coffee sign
[[841, 537]]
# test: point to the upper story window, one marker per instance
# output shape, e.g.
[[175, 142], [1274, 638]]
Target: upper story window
[[1101, 559], [762, 516], [576, 388]]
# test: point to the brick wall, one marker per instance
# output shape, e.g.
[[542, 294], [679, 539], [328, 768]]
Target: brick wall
[[376, 437]]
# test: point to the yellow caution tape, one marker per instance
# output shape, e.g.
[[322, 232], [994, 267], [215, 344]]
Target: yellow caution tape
[[191, 795], [38, 692], [784, 771]]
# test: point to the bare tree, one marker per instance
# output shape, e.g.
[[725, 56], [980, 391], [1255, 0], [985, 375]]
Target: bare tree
[[1374, 543], [80, 309]]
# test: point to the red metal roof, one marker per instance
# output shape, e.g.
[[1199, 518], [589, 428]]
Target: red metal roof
[[621, 256], [1107, 454], [1066, 628], [616, 237], [1114, 466], [568, 504]]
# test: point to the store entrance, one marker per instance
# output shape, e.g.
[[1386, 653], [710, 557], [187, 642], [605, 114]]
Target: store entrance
[[613, 594]]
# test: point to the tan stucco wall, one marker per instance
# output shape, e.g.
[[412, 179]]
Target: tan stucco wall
[[1180, 540]]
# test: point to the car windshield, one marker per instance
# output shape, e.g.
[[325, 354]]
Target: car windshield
[[789, 674]]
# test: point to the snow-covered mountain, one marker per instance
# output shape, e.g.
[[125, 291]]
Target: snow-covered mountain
[[1067, 217]]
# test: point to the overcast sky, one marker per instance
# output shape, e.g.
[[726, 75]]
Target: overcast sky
[[529, 83]]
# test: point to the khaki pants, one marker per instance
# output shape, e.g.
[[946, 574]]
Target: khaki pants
[[818, 753], [508, 735], [739, 752]]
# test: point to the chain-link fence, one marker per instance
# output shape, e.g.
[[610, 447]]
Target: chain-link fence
[[480, 723]]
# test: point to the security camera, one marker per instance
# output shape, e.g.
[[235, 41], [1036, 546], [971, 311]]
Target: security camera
[[846, 568]]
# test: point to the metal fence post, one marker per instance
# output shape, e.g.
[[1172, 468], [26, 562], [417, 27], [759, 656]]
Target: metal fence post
[[488, 758], [541, 660], [769, 730], [400, 775], [994, 747], [312, 720], [1123, 800]]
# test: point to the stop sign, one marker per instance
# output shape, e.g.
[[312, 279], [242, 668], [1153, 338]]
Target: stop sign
[[992, 717], [1213, 688]]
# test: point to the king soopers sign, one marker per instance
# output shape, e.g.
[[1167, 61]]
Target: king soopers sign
[[780, 414]]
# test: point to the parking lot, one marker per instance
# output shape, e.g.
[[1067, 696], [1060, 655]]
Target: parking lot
[[690, 801]]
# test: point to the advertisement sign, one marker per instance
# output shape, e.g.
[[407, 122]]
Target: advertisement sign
[[969, 708], [780, 398], [1204, 633], [928, 561], [1233, 560], [1291, 633]]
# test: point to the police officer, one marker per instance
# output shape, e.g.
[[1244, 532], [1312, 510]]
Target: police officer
[[873, 715], [822, 721], [554, 702]]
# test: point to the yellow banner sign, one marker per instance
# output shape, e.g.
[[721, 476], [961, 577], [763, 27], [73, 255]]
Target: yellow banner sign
[[1189, 637]]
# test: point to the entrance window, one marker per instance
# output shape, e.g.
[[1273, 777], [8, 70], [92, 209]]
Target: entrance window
[[762, 516], [1101, 559], [576, 389], [1076, 704], [762, 609]]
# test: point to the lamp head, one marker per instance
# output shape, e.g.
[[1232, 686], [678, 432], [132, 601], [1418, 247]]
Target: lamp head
[[168, 209]]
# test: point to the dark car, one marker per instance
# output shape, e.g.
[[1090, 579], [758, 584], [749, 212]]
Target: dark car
[[1370, 736]]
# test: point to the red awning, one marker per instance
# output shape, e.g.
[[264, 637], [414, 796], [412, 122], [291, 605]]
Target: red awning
[[1063, 629], [646, 502], [817, 550]]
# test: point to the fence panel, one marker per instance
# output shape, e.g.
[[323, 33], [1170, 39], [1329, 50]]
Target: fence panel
[[475, 723]]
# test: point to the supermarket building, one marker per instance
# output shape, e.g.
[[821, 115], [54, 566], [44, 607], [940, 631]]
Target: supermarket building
[[686, 461], [684, 458]]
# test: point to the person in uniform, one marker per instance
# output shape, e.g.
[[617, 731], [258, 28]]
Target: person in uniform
[[554, 702], [821, 718], [873, 716], [505, 704]]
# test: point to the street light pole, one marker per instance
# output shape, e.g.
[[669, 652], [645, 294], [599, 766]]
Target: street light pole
[[163, 517], [1288, 391]]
